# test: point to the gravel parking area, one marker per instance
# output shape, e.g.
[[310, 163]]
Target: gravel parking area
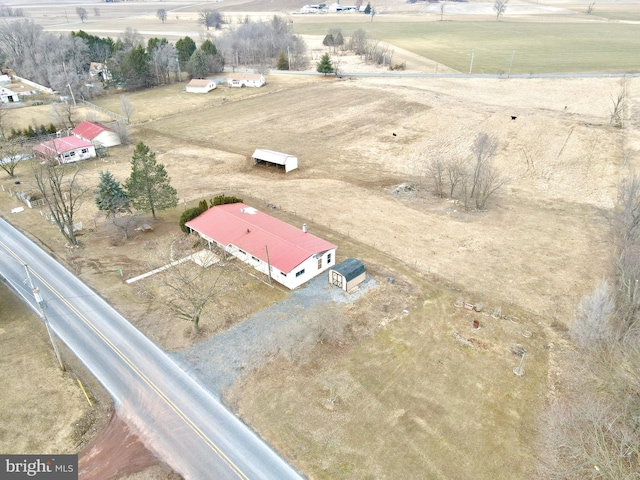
[[284, 327]]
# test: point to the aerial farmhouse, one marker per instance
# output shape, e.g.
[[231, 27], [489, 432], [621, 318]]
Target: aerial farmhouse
[[240, 79], [291, 256], [65, 150], [97, 134], [269, 157], [200, 85]]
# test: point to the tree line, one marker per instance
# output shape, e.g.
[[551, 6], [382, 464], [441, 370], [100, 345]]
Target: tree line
[[62, 62]]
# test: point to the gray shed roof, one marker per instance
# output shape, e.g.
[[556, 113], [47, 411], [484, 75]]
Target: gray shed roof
[[350, 268]]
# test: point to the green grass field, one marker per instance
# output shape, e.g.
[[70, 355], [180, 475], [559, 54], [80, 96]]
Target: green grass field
[[539, 47]]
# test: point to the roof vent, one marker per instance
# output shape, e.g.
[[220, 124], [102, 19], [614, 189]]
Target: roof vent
[[304, 227]]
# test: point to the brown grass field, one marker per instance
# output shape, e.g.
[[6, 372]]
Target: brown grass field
[[420, 394]]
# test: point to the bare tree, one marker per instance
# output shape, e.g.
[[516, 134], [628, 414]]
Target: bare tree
[[435, 171], [60, 188], [96, 11], [617, 110], [591, 327], [11, 153], [500, 6], [62, 113], [162, 14], [123, 131], [590, 8], [192, 288], [126, 107], [210, 19], [484, 147], [82, 13], [442, 4], [456, 171]]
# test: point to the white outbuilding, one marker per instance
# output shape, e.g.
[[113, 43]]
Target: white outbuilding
[[200, 85], [269, 157]]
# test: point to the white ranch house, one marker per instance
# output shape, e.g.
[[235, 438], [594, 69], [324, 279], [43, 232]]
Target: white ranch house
[[239, 80], [65, 150], [291, 256]]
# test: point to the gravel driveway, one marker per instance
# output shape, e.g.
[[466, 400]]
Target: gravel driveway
[[218, 361]]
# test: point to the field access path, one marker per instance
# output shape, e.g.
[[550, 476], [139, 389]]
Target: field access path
[[176, 417]]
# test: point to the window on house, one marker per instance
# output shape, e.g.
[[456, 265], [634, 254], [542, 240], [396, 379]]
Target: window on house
[[242, 252], [84, 150], [255, 259], [71, 154], [301, 272], [319, 263], [328, 258]]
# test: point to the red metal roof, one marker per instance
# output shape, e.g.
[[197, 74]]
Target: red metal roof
[[61, 145], [89, 130], [251, 230]]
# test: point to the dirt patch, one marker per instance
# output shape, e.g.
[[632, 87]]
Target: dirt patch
[[118, 453]]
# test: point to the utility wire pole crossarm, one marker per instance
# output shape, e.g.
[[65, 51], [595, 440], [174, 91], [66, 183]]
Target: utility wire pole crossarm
[[40, 302]]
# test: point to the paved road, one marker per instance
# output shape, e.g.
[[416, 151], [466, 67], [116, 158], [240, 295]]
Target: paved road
[[174, 415]]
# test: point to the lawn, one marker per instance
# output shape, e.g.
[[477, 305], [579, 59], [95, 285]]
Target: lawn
[[539, 47]]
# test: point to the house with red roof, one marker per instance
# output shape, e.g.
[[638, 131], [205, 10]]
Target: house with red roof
[[65, 150], [97, 134], [291, 256]]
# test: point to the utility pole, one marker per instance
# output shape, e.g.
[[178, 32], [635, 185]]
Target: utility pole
[[471, 66], [511, 63], [72, 96], [268, 264], [179, 72], [289, 58], [38, 297]]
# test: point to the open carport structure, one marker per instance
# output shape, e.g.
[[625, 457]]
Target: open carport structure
[[289, 162]]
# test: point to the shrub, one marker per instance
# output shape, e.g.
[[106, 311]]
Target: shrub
[[187, 215], [224, 200]]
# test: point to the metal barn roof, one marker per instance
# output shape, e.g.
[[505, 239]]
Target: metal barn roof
[[89, 130], [350, 268], [251, 231]]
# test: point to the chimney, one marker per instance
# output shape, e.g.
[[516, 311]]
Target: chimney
[[304, 227]]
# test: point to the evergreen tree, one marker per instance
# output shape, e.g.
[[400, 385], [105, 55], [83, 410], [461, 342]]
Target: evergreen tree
[[367, 9], [324, 65], [209, 48], [283, 63], [185, 47], [198, 66], [110, 196], [149, 186]]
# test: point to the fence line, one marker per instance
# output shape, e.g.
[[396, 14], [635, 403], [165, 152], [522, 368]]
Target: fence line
[[117, 116]]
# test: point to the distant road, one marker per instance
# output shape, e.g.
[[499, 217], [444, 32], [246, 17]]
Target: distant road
[[177, 419]]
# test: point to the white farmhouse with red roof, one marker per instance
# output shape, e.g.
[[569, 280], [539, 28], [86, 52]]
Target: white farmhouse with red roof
[[293, 255], [65, 150], [97, 134]]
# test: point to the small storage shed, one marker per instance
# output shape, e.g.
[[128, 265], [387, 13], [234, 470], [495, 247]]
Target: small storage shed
[[348, 274], [199, 85], [289, 162]]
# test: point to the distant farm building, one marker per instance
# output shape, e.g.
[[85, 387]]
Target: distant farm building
[[100, 71], [199, 85], [65, 150], [348, 274], [288, 255], [269, 157], [245, 80], [97, 134], [8, 96]]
